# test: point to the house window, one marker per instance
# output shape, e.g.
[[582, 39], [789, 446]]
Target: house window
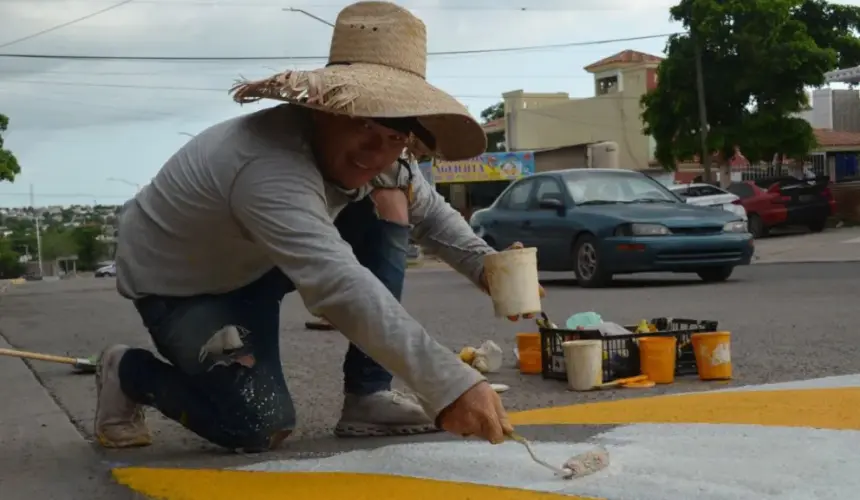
[[608, 85]]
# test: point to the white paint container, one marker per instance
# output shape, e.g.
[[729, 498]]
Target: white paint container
[[512, 278], [583, 360]]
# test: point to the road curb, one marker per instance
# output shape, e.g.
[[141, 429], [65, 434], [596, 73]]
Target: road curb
[[807, 261], [38, 431]]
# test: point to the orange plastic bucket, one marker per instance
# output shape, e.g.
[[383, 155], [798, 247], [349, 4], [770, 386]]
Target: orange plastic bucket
[[528, 345], [657, 358], [713, 355]]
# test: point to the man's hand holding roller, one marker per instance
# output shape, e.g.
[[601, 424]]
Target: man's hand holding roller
[[477, 412]]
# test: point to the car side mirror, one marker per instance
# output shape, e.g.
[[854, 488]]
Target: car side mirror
[[551, 204]]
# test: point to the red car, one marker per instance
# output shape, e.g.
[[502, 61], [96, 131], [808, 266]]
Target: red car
[[785, 201]]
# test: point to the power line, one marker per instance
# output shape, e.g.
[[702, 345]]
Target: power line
[[462, 7], [425, 7], [67, 23], [224, 90], [231, 74], [554, 46]]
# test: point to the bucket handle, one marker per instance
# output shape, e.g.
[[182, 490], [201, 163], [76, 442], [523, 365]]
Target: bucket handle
[[545, 322]]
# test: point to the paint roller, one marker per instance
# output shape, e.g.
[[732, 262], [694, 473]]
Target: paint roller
[[577, 466]]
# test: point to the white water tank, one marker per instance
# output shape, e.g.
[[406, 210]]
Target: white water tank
[[603, 155]]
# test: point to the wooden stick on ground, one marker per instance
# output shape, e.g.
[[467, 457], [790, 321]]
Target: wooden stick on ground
[[81, 364]]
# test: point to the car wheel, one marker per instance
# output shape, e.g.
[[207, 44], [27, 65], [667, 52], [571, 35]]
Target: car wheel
[[587, 263], [756, 226], [818, 226], [715, 274]]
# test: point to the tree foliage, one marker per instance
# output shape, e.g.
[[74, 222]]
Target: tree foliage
[[9, 167], [493, 112], [758, 58], [89, 248], [495, 140], [10, 265]]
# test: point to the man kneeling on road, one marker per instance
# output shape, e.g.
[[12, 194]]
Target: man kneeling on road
[[314, 196]]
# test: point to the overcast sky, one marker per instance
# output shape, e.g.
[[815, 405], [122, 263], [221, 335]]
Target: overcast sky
[[74, 124]]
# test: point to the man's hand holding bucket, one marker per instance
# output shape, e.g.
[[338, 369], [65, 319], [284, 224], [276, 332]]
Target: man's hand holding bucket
[[486, 287]]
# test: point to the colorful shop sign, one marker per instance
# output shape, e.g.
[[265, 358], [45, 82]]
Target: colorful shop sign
[[487, 167]]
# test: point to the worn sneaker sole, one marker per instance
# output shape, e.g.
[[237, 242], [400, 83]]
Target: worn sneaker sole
[[356, 429], [320, 326], [135, 441]]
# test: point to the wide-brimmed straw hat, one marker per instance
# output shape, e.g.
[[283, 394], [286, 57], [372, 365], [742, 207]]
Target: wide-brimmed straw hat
[[377, 69]]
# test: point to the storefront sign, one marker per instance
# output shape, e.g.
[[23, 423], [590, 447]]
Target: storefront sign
[[484, 168]]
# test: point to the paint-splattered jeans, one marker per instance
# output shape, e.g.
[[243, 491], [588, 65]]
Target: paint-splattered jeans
[[240, 400]]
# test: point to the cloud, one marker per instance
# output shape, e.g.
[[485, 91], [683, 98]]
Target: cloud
[[63, 110]]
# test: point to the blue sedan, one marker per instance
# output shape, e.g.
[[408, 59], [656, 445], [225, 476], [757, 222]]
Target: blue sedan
[[603, 222]]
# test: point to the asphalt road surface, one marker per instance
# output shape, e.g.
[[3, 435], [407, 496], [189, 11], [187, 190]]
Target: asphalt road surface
[[789, 322]]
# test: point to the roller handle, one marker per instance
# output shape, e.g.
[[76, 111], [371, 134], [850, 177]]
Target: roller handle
[[38, 356]]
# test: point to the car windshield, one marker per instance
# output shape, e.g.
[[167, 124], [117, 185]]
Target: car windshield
[[597, 188]]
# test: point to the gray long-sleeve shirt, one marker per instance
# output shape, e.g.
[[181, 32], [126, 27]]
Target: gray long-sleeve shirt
[[244, 196]]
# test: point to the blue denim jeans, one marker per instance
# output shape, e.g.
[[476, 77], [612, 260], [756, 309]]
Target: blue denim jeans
[[238, 398]]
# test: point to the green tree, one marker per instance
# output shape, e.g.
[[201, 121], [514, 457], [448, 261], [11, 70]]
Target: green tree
[[495, 140], [23, 242], [494, 112], [9, 167], [56, 243], [758, 59], [10, 266], [89, 248]]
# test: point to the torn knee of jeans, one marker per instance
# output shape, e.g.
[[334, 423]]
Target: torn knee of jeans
[[394, 218], [227, 346]]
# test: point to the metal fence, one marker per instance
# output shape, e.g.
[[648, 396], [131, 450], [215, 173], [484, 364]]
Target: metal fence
[[815, 165]]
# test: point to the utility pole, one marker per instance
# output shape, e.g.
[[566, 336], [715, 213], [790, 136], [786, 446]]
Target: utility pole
[[703, 111], [37, 216]]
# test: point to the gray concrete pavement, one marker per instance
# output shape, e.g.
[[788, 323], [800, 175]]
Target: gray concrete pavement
[[42, 455], [789, 322], [833, 245]]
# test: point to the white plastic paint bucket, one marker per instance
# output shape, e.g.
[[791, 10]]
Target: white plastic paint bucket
[[512, 278], [583, 360]]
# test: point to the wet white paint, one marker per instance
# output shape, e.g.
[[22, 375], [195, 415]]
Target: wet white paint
[[647, 462]]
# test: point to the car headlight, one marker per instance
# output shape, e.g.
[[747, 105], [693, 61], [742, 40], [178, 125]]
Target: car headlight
[[636, 229], [737, 226]]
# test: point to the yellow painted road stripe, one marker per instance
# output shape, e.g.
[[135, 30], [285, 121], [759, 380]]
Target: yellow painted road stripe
[[185, 484], [834, 408]]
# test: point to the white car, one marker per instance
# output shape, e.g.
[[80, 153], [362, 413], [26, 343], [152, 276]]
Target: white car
[[108, 271], [706, 195]]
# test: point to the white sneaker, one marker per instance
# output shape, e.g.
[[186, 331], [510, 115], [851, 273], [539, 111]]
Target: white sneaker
[[384, 413]]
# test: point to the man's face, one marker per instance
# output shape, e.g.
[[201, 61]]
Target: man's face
[[352, 151]]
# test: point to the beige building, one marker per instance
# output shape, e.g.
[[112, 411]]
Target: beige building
[[541, 121]]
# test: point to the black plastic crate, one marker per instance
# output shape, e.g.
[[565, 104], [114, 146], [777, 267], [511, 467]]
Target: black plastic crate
[[621, 352]]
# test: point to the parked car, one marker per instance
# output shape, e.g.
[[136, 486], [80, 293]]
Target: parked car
[[706, 195], [603, 222], [106, 271], [785, 201]]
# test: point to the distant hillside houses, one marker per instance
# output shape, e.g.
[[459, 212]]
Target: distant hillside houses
[[23, 218]]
